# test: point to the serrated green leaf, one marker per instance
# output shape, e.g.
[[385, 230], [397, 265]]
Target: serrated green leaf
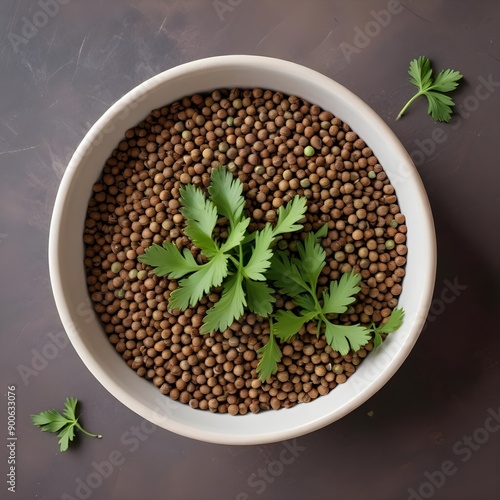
[[342, 338], [305, 301], [420, 72], [286, 275], [260, 259], [236, 236], [64, 425], [168, 260], [322, 231], [393, 323], [446, 80], [228, 309], [192, 289], [226, 194], [377, 339], [66, 435], [201, 217], [49, 421], [259, 297], [270, 356], [290, 214], [335, 338], [342, 293], [312, 259], [70, 408], [439, 104], [287, 324]]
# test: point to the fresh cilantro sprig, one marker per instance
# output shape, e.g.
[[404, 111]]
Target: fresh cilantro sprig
[[298, 278], [439, 104], [237, 264], [302, 274], [245, 263], [64, 425]]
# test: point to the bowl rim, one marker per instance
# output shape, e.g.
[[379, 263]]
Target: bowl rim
[[401, 351]]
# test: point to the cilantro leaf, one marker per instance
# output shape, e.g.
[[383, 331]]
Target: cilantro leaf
[[64, 425], [260, 260], [393, 323], [259, 297], [226, 194], [446, 80], [229, 308], [168, 260], [285, 273], [305, 301], [342, 338], [201, 217], [377, 339], [439, 104], [66, 435], [288, 324], [290, 214], [236, 235], [270, 356], [341, 294], [192, 288], [322, 231], [420, 72], [312, 259], [49, 421], [70, 408], [335, 338]]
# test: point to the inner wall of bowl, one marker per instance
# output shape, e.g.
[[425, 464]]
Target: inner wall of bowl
[[68, 275]]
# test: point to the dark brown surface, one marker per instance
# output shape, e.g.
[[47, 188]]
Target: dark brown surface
[[438, 411]]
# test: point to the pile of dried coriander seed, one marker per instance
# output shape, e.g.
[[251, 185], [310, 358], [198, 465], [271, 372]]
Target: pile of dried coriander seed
[[278, 146]]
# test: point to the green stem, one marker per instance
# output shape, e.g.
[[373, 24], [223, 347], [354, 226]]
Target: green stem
[[98, 436], [235, 262], [240, 250], [405, 107]]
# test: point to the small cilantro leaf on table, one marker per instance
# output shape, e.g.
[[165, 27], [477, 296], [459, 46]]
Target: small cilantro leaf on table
[[439, 104], [64, 425]]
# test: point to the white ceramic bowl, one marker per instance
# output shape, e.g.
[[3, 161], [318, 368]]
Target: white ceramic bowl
[[66, 250]]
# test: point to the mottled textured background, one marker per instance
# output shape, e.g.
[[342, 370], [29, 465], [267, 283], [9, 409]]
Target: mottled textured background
[[63, 63]]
